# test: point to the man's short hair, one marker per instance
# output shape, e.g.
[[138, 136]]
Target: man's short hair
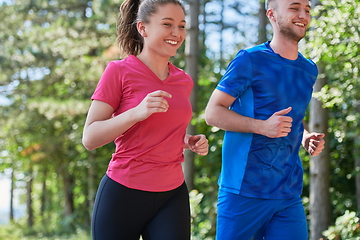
[[272, 4], [268, 3]]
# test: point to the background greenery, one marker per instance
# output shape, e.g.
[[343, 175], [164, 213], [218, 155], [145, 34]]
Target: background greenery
[[52, 54]]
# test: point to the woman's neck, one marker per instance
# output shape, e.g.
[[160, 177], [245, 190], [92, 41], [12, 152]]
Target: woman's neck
[[159, 66]]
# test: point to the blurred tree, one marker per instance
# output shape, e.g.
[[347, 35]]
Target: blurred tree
[[52, 55], [263, 23], [320, 205], [319, 195], [192, 60], [333, 43]]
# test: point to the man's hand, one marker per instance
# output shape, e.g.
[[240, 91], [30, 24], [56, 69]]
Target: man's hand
[[277, 125], [313, 143]]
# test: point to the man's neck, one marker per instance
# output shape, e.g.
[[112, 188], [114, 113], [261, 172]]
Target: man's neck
[[285, 48]]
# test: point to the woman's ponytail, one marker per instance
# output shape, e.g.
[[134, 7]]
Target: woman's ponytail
[[129, 40]]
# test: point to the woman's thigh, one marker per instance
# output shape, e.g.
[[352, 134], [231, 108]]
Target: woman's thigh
[[119, 212], [124, 213], [172, 217]]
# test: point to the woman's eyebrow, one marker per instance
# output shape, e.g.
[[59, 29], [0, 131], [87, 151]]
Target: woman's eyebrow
[[169, 18]]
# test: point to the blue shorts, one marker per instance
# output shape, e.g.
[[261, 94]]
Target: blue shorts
[[244, 218]]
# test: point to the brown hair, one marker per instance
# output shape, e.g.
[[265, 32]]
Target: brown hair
[[131, 12], [270, 4]]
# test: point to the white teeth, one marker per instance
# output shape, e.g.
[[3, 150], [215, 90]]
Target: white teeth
[[171, 42], [300, 24]]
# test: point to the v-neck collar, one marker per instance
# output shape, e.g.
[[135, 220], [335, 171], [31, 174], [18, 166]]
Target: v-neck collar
[[167, 79]]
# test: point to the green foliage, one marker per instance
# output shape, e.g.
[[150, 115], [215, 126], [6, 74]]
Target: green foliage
[[202, 227], [17, 232], [207, 169], [347, 227], [333, 43], [52, 54]]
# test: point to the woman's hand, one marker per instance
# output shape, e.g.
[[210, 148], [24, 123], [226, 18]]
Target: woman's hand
[[197, 143], [154, 102]]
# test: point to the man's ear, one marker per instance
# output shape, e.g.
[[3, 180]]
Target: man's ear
[[270, 14], [141, 29]]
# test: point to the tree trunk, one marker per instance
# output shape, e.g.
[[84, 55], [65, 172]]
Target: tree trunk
[[357, 163], [30, 212], [263, 21], [320, 205], [68, 192], [43, 194], [357, 169], [12, 188], [192, 60], [221, 43], [91, 184], [314, 3]]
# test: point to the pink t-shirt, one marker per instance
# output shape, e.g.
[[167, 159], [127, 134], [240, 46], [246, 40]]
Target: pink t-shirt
[[148, 156]]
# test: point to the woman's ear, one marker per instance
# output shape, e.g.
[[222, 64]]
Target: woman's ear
[[141, 29]]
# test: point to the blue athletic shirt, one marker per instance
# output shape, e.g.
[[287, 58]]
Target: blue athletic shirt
[[263, 83]]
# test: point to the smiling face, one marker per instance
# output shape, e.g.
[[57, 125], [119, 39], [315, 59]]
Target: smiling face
[[165, 31], [290, 18]]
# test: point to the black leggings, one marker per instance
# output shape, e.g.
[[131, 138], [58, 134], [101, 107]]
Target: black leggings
[[122, 213]]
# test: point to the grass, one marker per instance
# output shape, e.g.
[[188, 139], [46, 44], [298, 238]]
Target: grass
[[16, 232]]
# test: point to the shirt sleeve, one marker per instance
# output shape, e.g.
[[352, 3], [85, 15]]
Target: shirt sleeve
[[109, 88], [238, 76]]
